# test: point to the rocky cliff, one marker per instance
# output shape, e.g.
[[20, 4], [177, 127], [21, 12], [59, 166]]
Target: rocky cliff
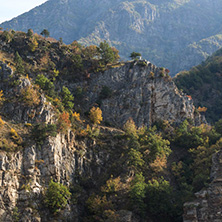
[[141, 91], [137, 90], [25, 173]]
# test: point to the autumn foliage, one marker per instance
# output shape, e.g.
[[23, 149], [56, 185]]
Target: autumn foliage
[[95, 115], [202, 109], [1, 97], [63, 122], [30, 96]]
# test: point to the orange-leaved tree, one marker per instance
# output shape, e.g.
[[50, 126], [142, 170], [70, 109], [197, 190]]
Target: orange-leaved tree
[[64, 122]]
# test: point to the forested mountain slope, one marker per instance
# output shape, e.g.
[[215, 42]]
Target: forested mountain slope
[[204, 84]]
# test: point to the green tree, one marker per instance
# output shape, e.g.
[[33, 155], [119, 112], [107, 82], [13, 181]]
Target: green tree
[[67, 98], [158, 198], [45, 33], [135, 159], [137, 193], [19, 64], [153, 143], [56, 197], [29, 33], [135, 55], [45, 84], [106, 53]]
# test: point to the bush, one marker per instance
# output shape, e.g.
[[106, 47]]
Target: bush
[[56, 197], [46, 85], [15, 137], [19, 64], [2, 99], [112, 185], [30, 96], [2, 122], [63, 122], [130, 128]]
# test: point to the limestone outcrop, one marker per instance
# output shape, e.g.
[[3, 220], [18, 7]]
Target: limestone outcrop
[[140, 91]]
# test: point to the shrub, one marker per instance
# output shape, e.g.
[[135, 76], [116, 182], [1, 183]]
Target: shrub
[[30, 96], [2, 99], [112, 185], [92, 131], [151, 75], [107, 53], [15, 137], [2, 122], [56, 197], [33, 44], [161, 74], [135, 159], [202, 109], [63, 122], [159, 164], [130, 128], [46, 85], [19, 64], [76, 117], [98, 206], [95, 115], [29, 34], [142, 63]]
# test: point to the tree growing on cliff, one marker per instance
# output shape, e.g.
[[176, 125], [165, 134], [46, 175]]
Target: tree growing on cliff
[[67, 98], [135, 55], [45, 33], [57, 196], [107, 53], [19, 64], [95, 115]]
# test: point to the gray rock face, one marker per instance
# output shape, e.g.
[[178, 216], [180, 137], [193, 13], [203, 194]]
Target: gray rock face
[[207, 206], [144, 93], [25, 174], [18, 111]]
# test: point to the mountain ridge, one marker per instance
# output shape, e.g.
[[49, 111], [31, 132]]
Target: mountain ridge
[[168, 33]]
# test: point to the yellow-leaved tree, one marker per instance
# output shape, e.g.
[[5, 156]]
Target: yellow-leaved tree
[[1, 97], [95, 115]]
